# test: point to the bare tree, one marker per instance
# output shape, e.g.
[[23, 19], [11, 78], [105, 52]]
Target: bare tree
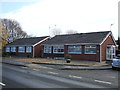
[[71, 31], [14, 29]]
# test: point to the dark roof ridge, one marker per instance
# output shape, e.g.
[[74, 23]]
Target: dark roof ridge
[[28, 41], [83, 33]]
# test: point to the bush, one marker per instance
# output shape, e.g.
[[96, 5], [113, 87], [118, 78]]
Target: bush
[[4, 54], [68, 56]]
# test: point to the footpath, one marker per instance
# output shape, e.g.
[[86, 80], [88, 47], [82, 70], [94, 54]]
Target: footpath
[[56, 64]]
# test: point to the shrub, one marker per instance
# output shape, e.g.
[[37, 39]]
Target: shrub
[[4, 54], [68, 56]]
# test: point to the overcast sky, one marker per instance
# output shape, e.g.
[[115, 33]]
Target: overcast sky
[[36, 16]]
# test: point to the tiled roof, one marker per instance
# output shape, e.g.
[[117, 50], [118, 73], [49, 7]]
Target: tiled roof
[[27, 41], [92, 37]]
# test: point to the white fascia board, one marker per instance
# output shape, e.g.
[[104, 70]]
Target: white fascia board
[[16, 45], [53, 44], [40, 41], [83, 44], [71, 44], [107, 37], [113, 39]]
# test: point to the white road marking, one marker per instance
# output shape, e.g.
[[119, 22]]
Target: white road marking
[[2, 84], [102, 81], [75, 77], [36, 69], [52, 72]]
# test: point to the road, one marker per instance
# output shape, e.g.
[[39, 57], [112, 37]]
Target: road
[[24, 77]]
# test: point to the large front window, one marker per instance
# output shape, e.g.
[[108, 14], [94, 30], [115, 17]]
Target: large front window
[[13, 49], [28, 49], [21, 49], [7, 49], [90, 49], [58, 49], [74, 49], [47, 49]]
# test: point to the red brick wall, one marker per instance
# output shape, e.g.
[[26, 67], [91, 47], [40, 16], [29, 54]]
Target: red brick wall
[[38, 49], [91, 57], [83, 56], [108, 41], [24, 54]]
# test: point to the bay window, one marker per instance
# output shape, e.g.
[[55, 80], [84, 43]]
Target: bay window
[[74, 49], [90, 49]]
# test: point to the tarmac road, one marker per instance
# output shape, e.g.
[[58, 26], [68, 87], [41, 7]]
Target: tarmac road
[[24, 77]]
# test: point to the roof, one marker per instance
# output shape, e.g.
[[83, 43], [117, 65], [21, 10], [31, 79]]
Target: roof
[[27, 41], [92, 37]]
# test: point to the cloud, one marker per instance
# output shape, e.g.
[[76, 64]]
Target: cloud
[[81, 15]]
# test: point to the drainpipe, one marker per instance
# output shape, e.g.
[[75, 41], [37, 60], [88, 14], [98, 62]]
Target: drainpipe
[[33, 52], [100, 55]]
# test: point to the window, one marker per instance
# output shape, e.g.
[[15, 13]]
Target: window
[[13, 49], [58, 49], [28, 49], [7, 49], [90, 49], [21, 49], [47, 49], [74, 49]]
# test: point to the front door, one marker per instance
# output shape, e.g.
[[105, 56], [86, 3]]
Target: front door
[[110, 52]]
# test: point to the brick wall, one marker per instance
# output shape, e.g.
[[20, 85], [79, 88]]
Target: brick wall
[[83, 56], [108, 41]]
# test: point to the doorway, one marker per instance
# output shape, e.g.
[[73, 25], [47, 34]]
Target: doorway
[[110, 52]]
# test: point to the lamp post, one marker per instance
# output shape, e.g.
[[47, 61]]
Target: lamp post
[[111, 26]]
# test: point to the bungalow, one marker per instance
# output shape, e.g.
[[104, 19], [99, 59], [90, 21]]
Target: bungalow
[[28, 47], [94, 46]]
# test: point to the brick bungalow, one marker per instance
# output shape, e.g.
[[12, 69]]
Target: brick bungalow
[[27, 47], [94, 46]]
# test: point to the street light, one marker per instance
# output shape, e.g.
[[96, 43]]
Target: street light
[[111, 26]]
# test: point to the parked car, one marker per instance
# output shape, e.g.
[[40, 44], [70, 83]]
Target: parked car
[[116, 63]]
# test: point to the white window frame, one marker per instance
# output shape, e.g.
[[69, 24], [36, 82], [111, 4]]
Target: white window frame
[[55, 49], [7, 49], [47, 49], [28, 49], [13, 49], [21, 51], [74, 47], [88, 47], [113, 50]]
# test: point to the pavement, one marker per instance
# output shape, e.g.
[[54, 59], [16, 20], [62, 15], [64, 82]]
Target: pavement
[[77, 65]]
